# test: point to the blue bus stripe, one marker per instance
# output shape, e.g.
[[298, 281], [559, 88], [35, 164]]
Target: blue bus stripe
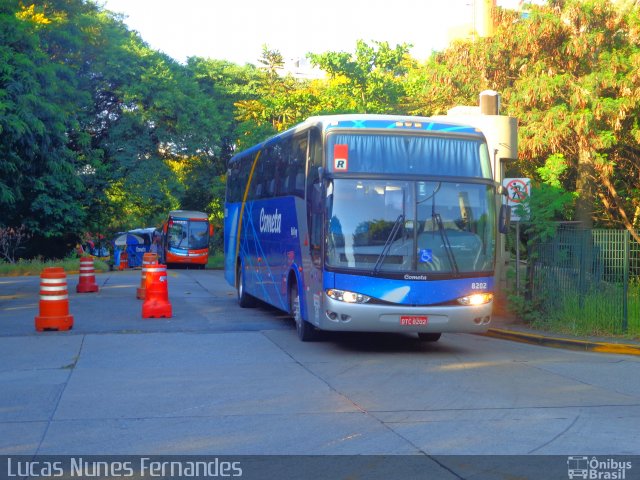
[[455, 129]]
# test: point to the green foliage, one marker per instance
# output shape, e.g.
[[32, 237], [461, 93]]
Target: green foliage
[[553, 170], [271, 61], [568, 72], [38, 186], [576, 102], [593, 313], [216, 260], [528, 310], [276, 103], [548, 202], [35, 266], [371, 78], [93, 121]]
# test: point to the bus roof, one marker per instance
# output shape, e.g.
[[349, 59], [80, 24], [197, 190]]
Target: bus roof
[[358, 121], [188, 214]]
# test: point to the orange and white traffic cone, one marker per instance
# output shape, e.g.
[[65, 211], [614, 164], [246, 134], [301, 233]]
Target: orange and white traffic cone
[[148, 259], [87, 281], [54, 301], [156, 302]]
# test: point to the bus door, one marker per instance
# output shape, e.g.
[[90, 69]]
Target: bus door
[[313, 250]]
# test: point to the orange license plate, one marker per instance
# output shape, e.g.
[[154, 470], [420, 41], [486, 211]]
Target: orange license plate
[[410, 320]]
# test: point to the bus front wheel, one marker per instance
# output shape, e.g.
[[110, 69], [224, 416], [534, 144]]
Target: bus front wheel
[[244, 299], [306, 332]]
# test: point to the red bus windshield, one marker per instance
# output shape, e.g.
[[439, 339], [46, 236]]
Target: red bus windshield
[[188, 234]]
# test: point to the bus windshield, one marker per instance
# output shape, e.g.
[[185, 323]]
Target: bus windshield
[[188, 234], [410, 226], [409, 155]]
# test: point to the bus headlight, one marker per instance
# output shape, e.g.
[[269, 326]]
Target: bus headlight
[[476, 299], [348, 297]]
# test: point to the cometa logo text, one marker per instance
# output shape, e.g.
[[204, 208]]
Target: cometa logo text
[[270, 223]]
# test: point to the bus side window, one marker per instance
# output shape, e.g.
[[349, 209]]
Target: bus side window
[[288, 177], [255, 191], [279, 183], [245, 168], [298, 161], [267, 174]]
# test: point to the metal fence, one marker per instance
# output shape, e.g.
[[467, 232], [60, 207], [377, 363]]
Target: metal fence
[[588, 280]]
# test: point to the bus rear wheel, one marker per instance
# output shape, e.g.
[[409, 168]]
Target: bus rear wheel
[[306, 332], [244, 299], [429, 337]]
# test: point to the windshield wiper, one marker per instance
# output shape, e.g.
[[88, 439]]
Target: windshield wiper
[[445, 241], [387, 245]]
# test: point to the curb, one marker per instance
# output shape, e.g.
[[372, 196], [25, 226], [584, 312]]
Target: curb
[[567, 343]]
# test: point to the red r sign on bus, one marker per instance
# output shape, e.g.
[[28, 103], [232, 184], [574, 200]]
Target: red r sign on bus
[[341, 157]]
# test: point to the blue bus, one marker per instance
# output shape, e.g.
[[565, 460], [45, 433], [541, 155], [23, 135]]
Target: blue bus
[[372, 223]]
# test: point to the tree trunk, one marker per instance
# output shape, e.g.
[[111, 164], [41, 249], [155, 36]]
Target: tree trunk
[[612, 206], [585, 188]]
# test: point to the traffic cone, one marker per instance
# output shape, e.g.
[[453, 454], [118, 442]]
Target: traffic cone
[[156, 301], [54, 301], [148, 259], [124, 261], [87, 281]]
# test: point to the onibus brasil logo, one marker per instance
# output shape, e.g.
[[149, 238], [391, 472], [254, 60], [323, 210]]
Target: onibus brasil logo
[[597, 469]]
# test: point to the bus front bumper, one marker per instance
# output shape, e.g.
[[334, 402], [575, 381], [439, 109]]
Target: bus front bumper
[[341, 316]]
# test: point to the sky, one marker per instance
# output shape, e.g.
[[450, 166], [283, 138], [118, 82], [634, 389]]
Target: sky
[[235, 30]]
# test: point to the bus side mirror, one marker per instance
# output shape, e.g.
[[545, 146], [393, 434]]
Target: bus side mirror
[[164, 228], [504, 220], [211, 230]]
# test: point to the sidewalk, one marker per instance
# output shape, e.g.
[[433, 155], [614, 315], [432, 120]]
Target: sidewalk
[[514, 329]]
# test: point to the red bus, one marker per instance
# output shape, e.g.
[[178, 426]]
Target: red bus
[[185, 239]]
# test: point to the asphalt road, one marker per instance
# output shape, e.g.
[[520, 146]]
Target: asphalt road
[[218, 379]]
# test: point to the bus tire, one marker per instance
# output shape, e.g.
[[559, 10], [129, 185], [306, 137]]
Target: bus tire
[[244, 299], [429, 337], [306, 332]]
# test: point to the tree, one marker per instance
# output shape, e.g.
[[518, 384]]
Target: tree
[[371, 78], [95, 124], [38, 183], [569, 73], [276, 103], [272, 62], [577, 103]]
